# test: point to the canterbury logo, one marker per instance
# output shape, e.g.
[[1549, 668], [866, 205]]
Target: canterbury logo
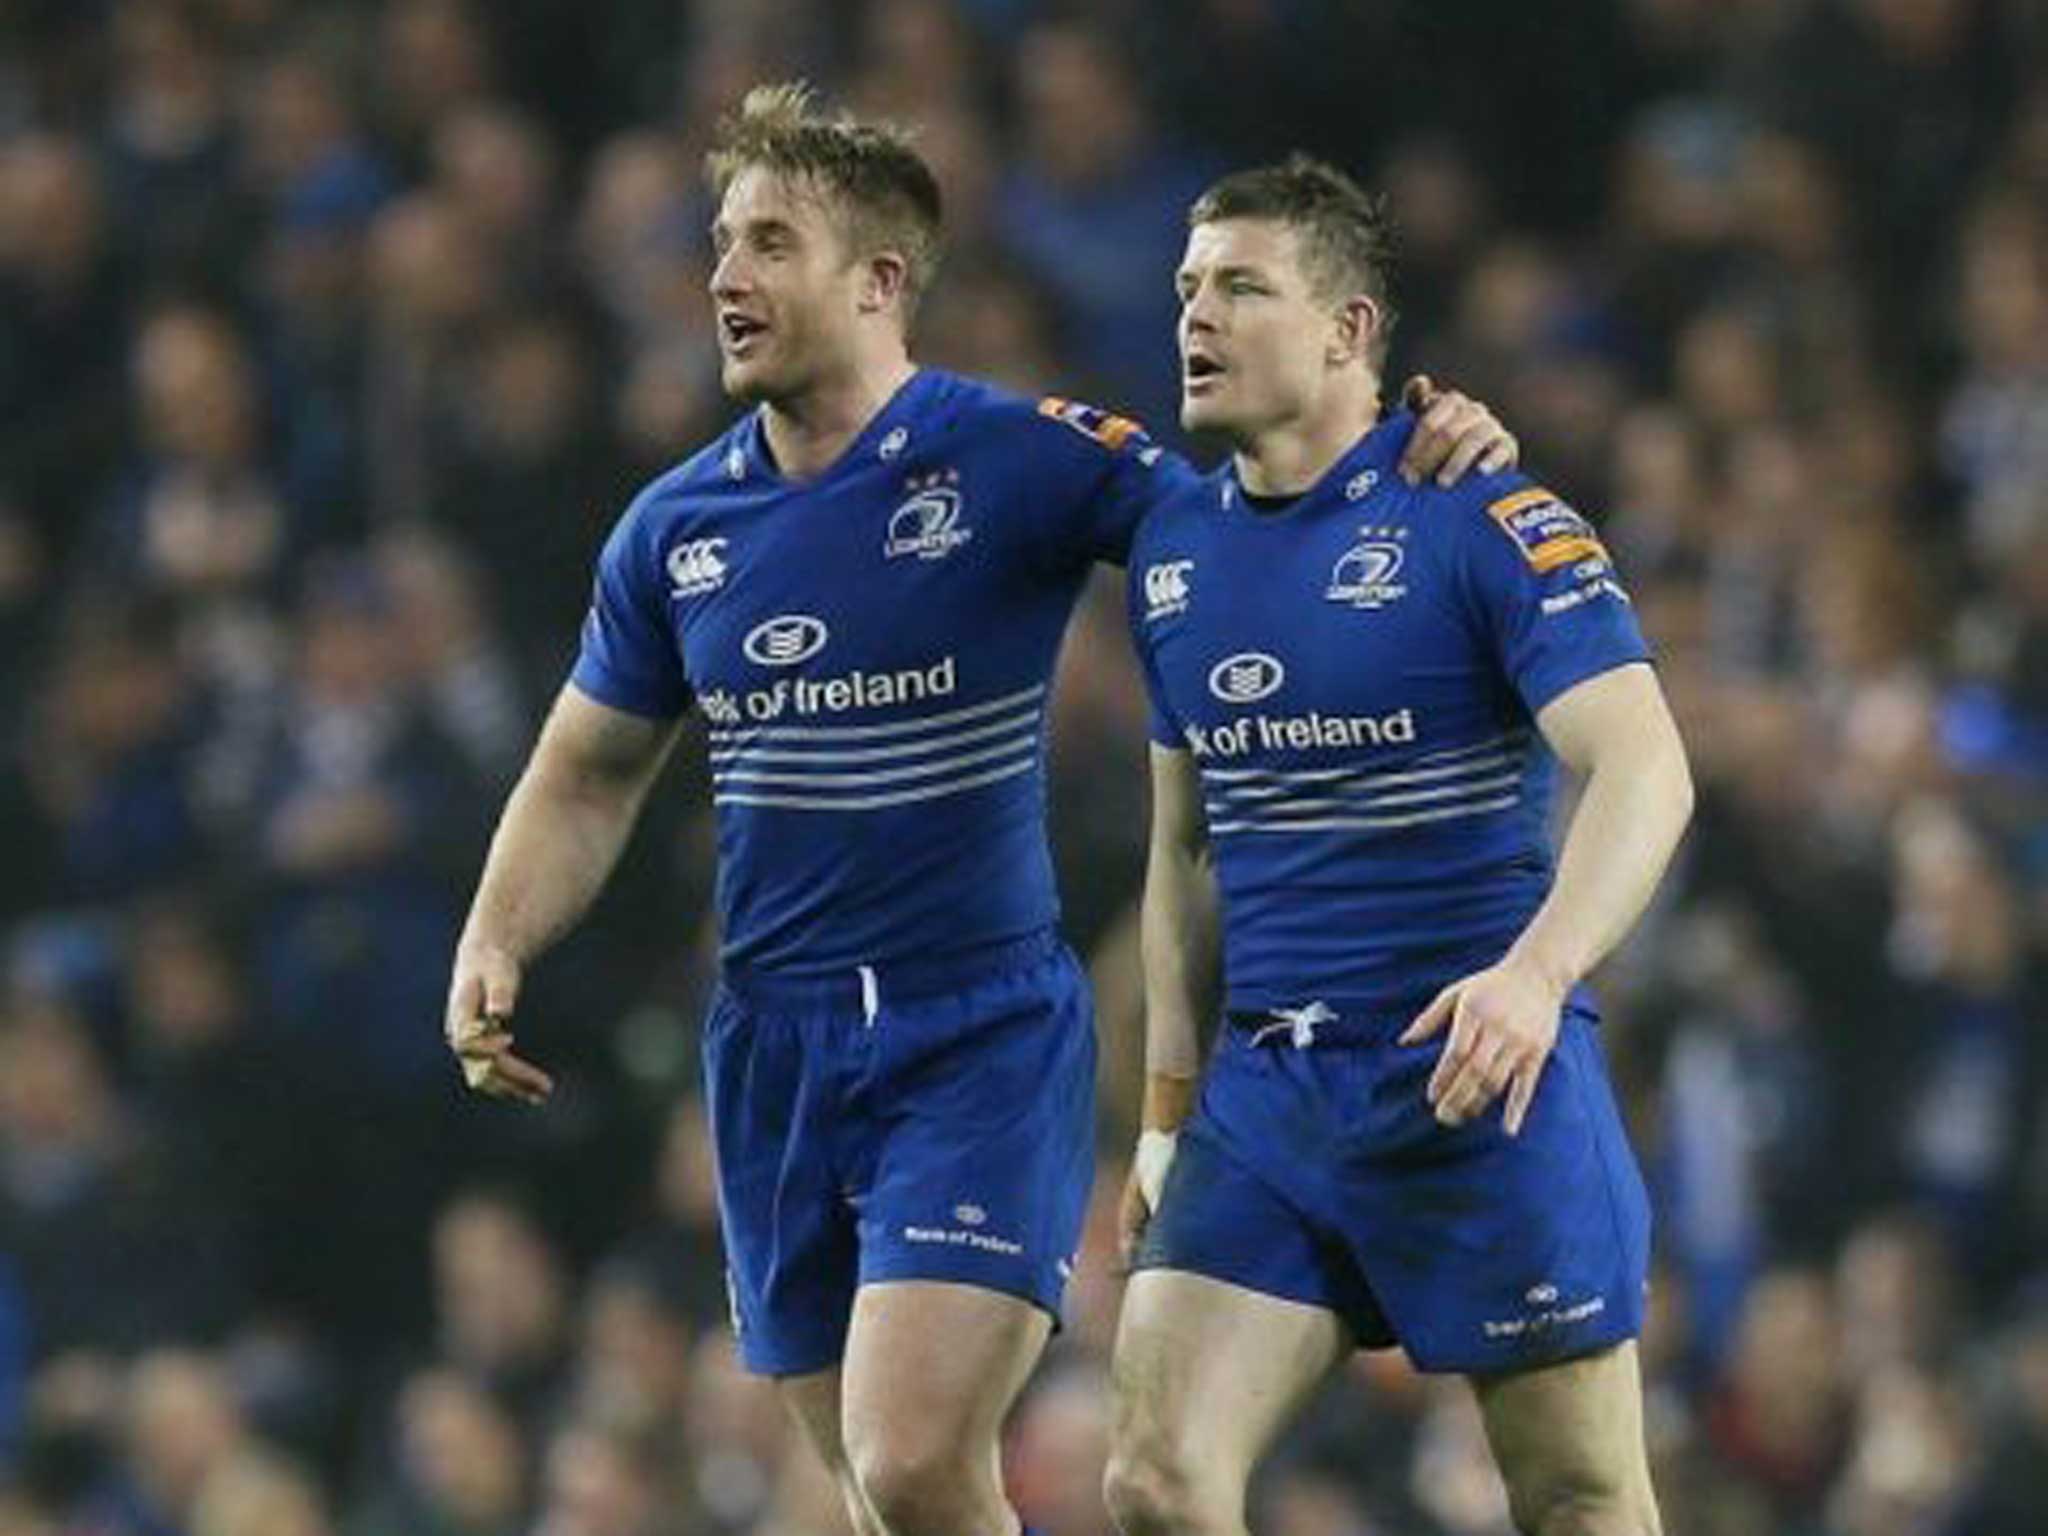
[[1166, 588], [697, 566]]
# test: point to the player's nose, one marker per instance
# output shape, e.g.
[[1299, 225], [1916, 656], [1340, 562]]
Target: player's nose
[[731, 276]]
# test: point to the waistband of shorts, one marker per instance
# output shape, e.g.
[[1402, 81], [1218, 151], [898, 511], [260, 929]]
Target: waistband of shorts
[[1322, 1023], [1337, 1021], [857, 988]]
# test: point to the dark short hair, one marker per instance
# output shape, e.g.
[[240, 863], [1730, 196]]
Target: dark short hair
[[1346, 234], [886, 194]]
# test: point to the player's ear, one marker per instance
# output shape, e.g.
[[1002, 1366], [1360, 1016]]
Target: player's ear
[[885, 278], [1358, 325]]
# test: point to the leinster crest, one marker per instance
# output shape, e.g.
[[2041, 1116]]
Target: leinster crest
[[1364, 576]]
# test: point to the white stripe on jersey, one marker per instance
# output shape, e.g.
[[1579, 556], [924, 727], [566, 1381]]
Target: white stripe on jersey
[[1277, 809], [748, 752], [1366, 823], [876, 802], [1354, 778], [837, 778], [1511, 742], [743, 735]]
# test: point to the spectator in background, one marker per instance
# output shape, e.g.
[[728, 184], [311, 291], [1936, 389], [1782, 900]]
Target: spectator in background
[[324, 185], [600, 1483], [21, 1515], [501, 1303], [460, 1465], [1780, 1419], [498, 170], [366, 815], [524, 481], [200, 516], [1096, 211], [84, 1210], [1961, 1044], [456, 661], [259, 1495], [181, 1429], [112, 759], [436, 282], [2016, 1447], [171, 142], [64, 302], [220, 1104], [438, 61]]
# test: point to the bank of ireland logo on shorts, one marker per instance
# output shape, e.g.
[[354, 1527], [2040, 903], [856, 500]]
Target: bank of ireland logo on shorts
[[1166, 589], [1247, 677], [785, 640], [696, 566], [928, 525], [1364, 574]]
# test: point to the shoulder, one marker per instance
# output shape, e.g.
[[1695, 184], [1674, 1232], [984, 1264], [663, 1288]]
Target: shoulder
[[1174, 520], [687, 489], [1533, 521], [1508, 509]]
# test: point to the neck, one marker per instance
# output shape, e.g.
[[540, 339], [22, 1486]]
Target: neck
[[1289, 458], [807, 432]]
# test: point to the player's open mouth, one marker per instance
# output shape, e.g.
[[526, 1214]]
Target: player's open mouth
[[1200, 371], [737, 330]]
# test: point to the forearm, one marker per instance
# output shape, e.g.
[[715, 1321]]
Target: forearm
[[1629, 819], [556, 844], [1178, 937]]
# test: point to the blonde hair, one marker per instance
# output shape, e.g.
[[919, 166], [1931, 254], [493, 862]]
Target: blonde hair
[[885, 194]]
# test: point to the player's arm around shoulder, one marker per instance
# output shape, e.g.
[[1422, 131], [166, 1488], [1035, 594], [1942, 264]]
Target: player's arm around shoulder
[[1179, 938], [559, 837]]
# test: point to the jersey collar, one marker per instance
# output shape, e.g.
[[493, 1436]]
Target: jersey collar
[[888, 435], [1364, 465]]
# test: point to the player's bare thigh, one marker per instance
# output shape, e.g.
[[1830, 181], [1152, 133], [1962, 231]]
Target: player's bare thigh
[[931, 1371], [1206, 1375], [1569, 1442]]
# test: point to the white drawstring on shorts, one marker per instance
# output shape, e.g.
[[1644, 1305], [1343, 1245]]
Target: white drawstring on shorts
[[1300, 1024]]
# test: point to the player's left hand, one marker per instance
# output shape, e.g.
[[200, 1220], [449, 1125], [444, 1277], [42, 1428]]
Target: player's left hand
[[1453, 433], [1503, 1022]]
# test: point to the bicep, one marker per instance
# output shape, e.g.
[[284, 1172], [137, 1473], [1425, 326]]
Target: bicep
[[592, 739], [1616, 716]]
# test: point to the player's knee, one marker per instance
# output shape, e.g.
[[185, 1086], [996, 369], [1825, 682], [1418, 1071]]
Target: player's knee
[[1152, 1493], [1585, 1503], [924, 1487]]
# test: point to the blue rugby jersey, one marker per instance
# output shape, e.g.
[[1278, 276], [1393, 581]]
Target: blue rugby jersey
[[1357, 675], [872, 652]]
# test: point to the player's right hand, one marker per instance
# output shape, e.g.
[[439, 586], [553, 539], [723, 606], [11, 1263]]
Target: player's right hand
[[481, 997]]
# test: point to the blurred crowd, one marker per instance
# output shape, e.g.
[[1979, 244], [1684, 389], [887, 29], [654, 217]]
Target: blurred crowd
[[333, 333]]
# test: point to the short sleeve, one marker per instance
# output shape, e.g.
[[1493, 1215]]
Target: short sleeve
[[1163, 726], [628, 657], [1545, 590], [1114, 472]]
